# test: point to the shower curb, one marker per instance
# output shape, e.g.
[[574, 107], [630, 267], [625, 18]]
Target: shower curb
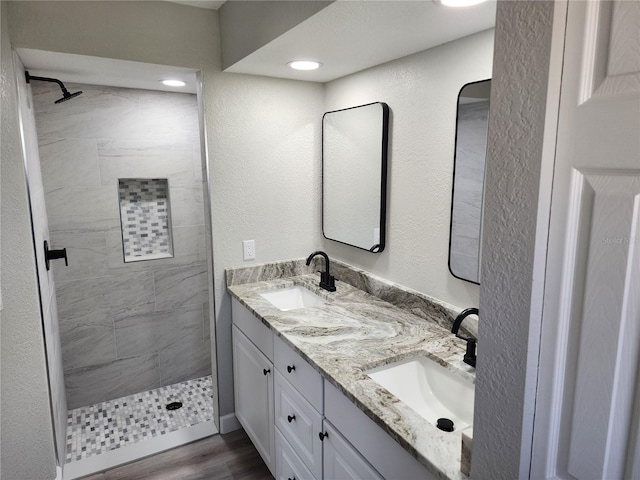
[[137, 451]]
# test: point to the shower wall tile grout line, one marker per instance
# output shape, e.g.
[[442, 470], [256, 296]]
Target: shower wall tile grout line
[[115, 337]]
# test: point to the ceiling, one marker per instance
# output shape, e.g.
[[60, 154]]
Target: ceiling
[[349, 36]]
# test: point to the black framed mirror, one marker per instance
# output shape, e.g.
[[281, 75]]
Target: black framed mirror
[[354, 175], [467, 203]]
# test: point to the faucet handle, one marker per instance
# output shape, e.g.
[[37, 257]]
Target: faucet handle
[[470, 355], [328, 282]]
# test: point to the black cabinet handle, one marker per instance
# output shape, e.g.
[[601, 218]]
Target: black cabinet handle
[[322, 436], [54, 254], [294, 478], [265, 371], [291, 418], [291, 368]]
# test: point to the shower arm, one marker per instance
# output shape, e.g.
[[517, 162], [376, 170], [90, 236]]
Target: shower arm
[[45, 79]]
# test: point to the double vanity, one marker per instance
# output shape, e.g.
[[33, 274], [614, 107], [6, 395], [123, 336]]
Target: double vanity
[[349, 376], [363, 382]]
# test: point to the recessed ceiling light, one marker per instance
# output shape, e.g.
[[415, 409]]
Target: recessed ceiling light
[[304, 65], [461, 3], [173, 83]]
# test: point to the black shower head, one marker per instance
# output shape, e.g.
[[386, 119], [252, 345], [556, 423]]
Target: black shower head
[[65, 93], [67, 96]]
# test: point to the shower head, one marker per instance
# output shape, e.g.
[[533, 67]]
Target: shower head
[[65, 93], [67, 96]]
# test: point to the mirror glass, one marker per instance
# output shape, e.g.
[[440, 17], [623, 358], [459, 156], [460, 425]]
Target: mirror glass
[[354, 175], [468, 181]]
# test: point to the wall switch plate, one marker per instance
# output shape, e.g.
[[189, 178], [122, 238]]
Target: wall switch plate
[[249, 249]]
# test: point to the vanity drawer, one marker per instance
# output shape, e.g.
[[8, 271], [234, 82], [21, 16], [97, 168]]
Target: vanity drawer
[[288, 463], [297, 371], [299, 423], [253, 328]]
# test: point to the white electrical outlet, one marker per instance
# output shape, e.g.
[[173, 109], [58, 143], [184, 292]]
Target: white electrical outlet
[[249, 249]]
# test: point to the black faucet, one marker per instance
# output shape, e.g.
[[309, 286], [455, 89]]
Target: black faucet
[[470, 355], [327, 281]]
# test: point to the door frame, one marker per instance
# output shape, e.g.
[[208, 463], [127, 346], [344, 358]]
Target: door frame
[[19, 70]]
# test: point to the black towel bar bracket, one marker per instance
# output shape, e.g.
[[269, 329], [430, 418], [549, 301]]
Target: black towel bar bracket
[[54, 255]]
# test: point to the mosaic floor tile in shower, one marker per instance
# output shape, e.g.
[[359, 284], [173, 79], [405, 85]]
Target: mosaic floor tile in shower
[[113, 424]]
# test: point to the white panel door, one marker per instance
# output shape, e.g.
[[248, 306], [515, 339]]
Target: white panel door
[[588, 406]]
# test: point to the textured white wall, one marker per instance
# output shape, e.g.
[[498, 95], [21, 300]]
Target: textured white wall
[[502, 426], [265, 153], [26, 433], [421, 91]]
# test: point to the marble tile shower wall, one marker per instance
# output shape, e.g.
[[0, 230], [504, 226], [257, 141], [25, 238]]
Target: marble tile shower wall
[[125, 327]]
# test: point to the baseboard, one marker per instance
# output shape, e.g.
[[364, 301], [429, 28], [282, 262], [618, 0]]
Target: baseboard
[[229, 423], [137, 451]]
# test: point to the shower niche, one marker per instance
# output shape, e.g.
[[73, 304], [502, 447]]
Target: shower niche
[[145, 218]]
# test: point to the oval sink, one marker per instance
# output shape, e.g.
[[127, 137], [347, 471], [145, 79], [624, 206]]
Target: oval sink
[[292, 298], [428, 388]]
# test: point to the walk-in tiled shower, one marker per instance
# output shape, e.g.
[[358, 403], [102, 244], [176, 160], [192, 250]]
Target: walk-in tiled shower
[[123, 187]]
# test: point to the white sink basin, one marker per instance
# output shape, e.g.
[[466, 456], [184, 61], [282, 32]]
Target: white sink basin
[[430, 389], [292, 298]]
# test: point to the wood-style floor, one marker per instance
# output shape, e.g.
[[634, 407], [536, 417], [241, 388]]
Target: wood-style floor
[[229, 457]]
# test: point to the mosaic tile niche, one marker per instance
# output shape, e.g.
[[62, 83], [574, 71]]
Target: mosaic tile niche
[[145, 218]]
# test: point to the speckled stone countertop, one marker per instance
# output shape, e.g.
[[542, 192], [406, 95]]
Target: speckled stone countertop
[[351, 333]]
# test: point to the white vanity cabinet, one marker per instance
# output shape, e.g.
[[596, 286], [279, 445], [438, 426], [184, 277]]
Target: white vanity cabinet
[[285, 406], [253, 387]]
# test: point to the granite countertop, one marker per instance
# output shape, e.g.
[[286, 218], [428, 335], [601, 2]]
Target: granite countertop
[[355, 331]]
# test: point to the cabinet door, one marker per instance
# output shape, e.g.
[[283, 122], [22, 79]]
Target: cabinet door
[[343, 462], [253, 388]]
